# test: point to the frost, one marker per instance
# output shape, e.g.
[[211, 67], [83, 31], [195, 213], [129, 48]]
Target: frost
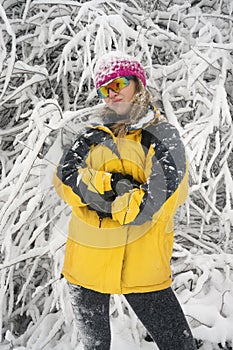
[[49, 51], [143, 121]]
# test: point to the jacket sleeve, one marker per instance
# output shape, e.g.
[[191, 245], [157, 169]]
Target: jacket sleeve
[[165, 157], [72, 168], [79, 184]]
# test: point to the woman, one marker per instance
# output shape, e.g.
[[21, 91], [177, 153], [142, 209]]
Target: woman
[[125, 179]]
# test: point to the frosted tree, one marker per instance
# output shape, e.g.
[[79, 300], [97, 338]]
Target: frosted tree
[[48, 50]]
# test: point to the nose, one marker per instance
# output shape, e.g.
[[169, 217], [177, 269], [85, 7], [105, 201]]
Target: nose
[[111, 93]]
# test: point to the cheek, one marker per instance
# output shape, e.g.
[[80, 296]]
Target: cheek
[[132, 89], [129, 93]]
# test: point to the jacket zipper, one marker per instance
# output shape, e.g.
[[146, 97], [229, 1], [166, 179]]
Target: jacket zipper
[[123, 258], [100, 222]]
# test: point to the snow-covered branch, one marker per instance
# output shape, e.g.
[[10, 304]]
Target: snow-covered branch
[[48, 53]]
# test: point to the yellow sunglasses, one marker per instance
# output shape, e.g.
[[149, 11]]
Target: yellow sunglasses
[[116, 85]]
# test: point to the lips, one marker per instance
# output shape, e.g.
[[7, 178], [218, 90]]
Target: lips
[[115, 101]]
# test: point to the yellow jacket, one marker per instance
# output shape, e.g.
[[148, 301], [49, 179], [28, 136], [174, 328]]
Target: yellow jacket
[[124, 193]]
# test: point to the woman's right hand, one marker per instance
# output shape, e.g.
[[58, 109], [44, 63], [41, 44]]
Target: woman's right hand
[[123, 183]]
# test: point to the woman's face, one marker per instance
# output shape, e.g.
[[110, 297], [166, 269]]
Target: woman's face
[[119, 102]]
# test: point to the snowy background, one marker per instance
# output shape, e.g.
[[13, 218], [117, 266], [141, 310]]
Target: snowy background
[[48, 50]]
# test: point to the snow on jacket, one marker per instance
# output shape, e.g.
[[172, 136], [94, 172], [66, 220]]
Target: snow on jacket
[[124, 193]]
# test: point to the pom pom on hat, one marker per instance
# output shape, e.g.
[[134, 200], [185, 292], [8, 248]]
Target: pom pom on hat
[[117, 64]]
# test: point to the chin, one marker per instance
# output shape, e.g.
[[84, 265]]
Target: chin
[[120, 109]]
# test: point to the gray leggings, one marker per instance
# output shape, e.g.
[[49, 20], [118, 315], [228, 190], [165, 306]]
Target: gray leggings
[[160, 312]]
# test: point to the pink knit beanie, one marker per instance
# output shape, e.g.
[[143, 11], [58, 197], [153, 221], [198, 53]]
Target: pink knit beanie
[[117, 64]]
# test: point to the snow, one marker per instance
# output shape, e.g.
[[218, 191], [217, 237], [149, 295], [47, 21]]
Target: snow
[[48, 54], [143, 121]]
